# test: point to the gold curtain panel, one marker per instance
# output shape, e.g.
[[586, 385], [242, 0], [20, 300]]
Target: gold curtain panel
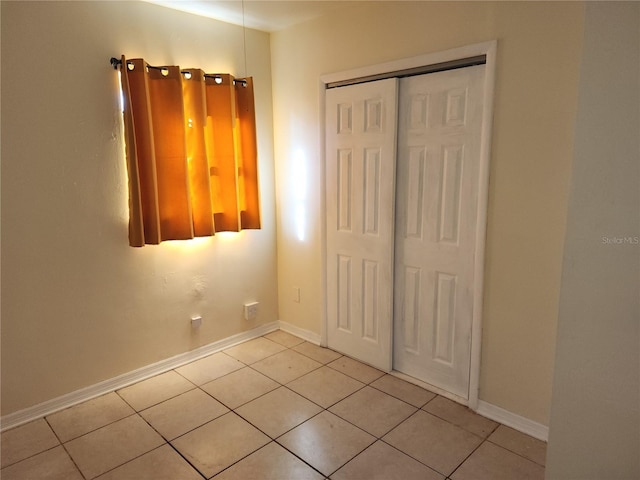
[[191, 153]]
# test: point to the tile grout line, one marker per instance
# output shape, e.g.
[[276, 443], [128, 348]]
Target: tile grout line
[[233, 410], [128, 461], [355, 456], [310, 418], [298, 457], [136, 413], [405, 453], [186, 460], [511, 451], [62, 444], [401, 399], [161, 401], [411, 456], [271, 439], [466, 458], [261, 359], [326, 409], [323, 409], [312, 401]]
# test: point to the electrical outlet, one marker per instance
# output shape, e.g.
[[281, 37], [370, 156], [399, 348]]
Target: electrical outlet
[[196, 321], [251, 310]]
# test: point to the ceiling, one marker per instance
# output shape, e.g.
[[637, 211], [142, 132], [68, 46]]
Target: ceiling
[[265, 15]]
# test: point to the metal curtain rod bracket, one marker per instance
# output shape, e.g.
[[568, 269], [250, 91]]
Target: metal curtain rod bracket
[[216, 77], [115, 62]]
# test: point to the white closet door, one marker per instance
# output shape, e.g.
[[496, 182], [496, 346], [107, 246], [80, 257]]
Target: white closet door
[[440, 119], [360, 181]]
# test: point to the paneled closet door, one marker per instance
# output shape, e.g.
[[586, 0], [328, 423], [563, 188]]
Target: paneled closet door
[[440, 121], [361, 123]]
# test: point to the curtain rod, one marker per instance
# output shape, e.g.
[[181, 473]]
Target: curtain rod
[[115, 62]]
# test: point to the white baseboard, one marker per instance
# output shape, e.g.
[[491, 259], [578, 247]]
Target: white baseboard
[[522, 424], [493, 412], [21, 417], [308, 335], [68, 400]]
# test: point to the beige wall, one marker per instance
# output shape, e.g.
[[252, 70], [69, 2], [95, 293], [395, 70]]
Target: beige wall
[[595, 418], [539, 51], [78, 304]]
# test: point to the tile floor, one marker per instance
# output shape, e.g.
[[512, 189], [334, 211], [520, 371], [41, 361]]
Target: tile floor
[[275, 407]]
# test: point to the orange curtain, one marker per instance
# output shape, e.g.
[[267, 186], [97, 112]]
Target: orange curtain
[[191, 153]]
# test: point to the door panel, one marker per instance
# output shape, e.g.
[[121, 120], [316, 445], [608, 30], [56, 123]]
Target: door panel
[[440, 118], [360, 188]]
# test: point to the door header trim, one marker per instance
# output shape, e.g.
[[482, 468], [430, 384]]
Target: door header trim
[[409, 72], [486, 50]]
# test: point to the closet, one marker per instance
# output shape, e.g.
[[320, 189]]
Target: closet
[[403, 181]]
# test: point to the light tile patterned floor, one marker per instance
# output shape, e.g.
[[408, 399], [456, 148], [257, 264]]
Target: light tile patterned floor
[[275, 407]]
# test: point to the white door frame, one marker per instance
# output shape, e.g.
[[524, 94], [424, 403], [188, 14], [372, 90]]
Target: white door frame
[[489, 50]]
